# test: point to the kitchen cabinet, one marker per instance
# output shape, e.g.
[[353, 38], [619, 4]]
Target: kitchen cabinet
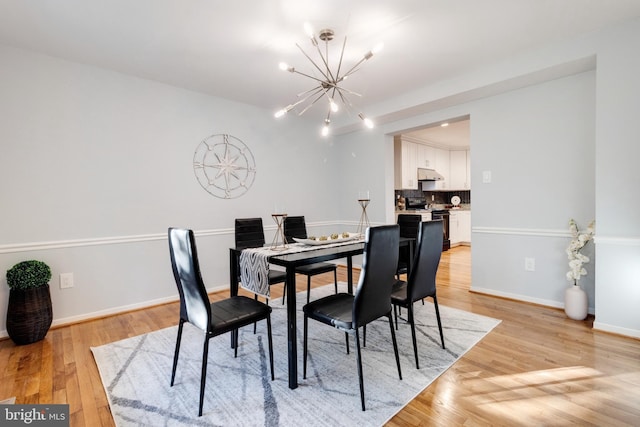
[[460, 227], [405, 164], [442, 166], [460, 172], [426, 156]]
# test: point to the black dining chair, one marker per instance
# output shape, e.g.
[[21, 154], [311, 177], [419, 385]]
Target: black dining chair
[[422, 279], [409, 227], [295, 226], [371, 301], [215, 318], [249, 233]]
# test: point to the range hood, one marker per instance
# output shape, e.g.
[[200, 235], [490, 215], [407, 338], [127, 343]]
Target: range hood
[[429, 175]]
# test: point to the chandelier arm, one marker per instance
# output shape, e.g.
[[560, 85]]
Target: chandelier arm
[[350, 92], [310, 105], [328, 75], [307, 75], [314, 63], [354, 68], [344, 45]]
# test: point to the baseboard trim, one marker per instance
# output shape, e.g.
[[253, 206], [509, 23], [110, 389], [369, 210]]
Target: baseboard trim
[[522, 298], [617, 330], [66, 321]]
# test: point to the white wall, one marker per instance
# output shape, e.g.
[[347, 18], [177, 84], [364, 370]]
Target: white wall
[[96, 165], [565, 146]]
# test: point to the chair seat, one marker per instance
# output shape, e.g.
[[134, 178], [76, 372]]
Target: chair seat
[[277, 276], [334, 310], [313, 269], [235, 312], [403, 268], [399, 293]]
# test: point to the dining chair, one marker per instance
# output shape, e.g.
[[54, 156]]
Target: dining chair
[[215, 318], [249, 233], [409, 227], [295, 226], [422, 278], [372, 300]]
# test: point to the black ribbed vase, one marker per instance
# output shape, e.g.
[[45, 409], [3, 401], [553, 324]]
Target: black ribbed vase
[[29, 314]]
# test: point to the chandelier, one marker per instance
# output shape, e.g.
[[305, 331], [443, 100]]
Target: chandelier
[[328, 84]]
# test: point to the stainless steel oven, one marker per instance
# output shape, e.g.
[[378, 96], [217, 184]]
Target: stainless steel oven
[[444, 216]]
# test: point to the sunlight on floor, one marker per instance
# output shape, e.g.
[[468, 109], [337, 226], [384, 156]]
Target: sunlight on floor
[[572, 394]]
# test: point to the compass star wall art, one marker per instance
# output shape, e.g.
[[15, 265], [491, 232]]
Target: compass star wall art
[[224, 166]]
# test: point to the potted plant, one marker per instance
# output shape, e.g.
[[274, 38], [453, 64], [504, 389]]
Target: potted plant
[[575, 299], [29, 313]]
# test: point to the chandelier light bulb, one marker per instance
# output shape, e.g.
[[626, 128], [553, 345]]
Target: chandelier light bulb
[[334, 107], [308, 30], [377, 48], [367, 121], [280, 113], [325, 128]]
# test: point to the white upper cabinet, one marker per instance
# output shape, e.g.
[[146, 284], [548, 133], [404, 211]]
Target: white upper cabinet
[[442, 166], [405, 164], [459, 173], [426, 156]]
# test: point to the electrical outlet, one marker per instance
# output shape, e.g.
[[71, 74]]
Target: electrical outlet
[[486, 177], [66, 280], [530, 264]]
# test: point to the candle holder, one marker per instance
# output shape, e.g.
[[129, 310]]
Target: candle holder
[[279, 242], [364, 218]]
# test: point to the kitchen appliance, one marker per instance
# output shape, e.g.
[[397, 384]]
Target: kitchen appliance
[[444, 215], [429, 175], [413, 203]]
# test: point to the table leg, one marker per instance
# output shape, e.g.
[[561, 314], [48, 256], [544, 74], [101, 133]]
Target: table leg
[[350, 274], [234, 272], [292, 337]]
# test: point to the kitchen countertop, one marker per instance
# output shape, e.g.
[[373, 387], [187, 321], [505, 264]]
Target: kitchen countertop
[[437, 207]]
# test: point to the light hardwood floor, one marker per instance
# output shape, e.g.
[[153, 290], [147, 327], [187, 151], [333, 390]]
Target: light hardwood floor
[[536, 368]]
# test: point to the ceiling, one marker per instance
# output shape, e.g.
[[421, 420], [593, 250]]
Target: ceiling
[[232, 49]]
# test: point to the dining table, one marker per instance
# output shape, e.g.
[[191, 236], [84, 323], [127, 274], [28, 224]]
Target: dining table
[[292, 260]]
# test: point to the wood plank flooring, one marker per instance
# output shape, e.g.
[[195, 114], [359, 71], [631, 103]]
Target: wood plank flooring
[[536, 368]]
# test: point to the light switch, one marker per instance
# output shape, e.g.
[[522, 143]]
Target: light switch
[[486, 177]]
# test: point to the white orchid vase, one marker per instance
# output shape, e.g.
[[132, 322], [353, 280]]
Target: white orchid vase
[[579, 240]]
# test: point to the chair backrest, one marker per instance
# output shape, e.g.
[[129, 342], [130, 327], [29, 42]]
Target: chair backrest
[[409, 225], [195, 307], [249, 233], [422, 279], [294, 226], [379, 262]]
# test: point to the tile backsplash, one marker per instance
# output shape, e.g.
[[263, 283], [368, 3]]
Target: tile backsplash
[[439, 197]]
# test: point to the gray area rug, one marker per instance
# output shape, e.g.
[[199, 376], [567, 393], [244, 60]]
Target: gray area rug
[[136, 372]]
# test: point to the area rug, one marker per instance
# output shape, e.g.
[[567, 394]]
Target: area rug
[[136, 372]]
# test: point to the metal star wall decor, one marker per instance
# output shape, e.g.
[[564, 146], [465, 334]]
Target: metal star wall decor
[[224, 166]]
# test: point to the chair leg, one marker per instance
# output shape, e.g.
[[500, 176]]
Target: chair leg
[[175, 354], [308, 287], [270, 345], [203, 377], [235, 341], [304, 348], [284, 292], [413, 334], [335, 279], [364, 336], [346, 338], [359, 357], [395, 344], [395, 315], [435, 303]]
